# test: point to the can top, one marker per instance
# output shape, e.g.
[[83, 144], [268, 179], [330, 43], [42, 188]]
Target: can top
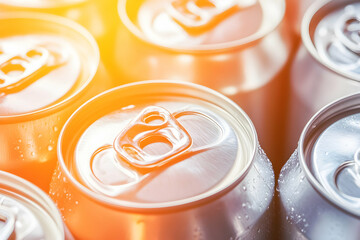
[[157, 144], [40, 3], [45, 61], [330, 145], [26, 212], [331, 31], [201, 24]]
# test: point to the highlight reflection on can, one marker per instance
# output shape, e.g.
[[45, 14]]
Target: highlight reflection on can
[[236, 47], [26, 212], [47, 67], [327, 66], [319, 185], [162, 160], [94, 15]]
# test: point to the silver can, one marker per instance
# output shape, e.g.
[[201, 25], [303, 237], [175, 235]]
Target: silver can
[[236, 47], [26, 212], [327, 65], [162, 160], [319, 185], [295, 11]]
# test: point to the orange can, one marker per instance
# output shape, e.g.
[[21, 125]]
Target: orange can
[[239, 48], [48, 66], [95, 15]]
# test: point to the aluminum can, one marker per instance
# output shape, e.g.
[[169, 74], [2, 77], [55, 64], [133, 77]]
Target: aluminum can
[[48, 67], [95, 15], [162, 160], [26, 212], [295, 10], [236, 47], [319, 185], [327, 65]]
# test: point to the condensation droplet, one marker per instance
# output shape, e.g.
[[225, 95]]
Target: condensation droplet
[[50, 148]]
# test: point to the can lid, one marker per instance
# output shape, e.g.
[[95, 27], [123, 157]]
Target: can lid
[[45, 61], [159, 143], [331, 147], [201, 24], [26, 212], [334, 30]]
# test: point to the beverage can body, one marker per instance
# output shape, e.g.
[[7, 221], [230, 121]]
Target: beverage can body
[[44, 76], [245, 62], [324, 68], [317, 186], [179, 199]]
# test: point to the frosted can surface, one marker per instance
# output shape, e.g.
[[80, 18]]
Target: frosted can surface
[[162, 160]]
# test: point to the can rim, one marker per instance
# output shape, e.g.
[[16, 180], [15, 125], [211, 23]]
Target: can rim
[[35, 194], [76, 28], [302, 146], [306, 38], [174, 205], [208, 48]]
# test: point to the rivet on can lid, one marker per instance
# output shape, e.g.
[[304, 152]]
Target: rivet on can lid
[[23, 68], [152, 125]]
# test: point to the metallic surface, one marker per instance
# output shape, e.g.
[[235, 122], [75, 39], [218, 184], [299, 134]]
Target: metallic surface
[[238, 208], [319, 184], [26, 212], [295, 11], [28, 140], [248, 70], [94, 15], [314, 81]]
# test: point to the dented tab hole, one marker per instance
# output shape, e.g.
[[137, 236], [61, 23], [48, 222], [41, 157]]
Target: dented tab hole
[[156, 145], [13, 69], [153, 118]]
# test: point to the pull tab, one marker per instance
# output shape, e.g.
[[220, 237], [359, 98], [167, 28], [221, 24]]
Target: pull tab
[[195, 14], [154, 125], [21, 70], [8, 230], [347, 30]]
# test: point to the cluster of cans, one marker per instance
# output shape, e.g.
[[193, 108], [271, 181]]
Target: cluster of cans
[[142, 119]]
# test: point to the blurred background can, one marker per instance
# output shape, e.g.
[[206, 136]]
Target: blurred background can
[[327, 65], [137, 161], [238, 48], [48, 66], [319, 185], [26, 212], [95, 15], [295, 10]]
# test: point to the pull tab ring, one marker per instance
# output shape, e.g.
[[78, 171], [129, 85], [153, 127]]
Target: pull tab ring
[[347, 30]]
